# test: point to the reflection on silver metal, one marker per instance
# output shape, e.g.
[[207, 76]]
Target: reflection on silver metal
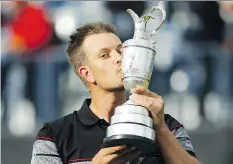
[[132, 118], [131, 108], [137, 65]]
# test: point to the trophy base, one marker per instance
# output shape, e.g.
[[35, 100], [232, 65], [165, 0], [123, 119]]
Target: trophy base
[[144, 145]]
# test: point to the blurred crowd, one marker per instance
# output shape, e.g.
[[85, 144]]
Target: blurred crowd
[[193, 68]]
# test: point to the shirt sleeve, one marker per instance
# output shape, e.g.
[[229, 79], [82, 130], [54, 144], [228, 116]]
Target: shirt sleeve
[[44, 149], [181, 134], [184, 140]]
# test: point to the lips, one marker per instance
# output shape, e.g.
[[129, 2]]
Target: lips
[[120, 72]]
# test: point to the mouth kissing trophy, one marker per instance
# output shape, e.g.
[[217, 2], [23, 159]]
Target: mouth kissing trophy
[[131, 124]]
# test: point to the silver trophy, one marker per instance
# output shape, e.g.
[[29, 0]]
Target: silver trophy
[[131, 124]]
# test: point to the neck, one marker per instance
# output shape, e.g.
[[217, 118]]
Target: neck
[[103, 103]]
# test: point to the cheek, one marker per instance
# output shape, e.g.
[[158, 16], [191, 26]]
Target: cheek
[[103, 77], [98, 71], [99, 74], [101, 71], [95, 68]]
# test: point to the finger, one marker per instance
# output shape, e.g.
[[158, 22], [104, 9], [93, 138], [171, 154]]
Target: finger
[[144, 91], [148, 102], [127, 157], [112, 150], [126, 150], [142, 100], [111, 157]]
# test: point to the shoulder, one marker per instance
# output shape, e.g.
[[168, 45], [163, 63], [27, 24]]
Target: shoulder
[[62, 123], [52, 134], [51, 130], [47, 144]]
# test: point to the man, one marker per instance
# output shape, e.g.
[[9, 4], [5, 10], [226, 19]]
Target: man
[[95, 54]]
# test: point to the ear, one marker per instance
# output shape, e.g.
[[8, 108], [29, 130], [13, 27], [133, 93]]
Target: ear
[[86, 74]]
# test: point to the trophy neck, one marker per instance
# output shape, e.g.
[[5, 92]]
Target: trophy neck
[[139, 24], [139, 34], [128, 102], [139, 30]]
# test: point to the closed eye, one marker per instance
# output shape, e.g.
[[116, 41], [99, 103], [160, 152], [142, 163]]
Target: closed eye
[[119, 51], [104, 55]]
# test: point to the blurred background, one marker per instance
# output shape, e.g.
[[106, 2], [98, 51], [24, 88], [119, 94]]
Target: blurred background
[[193, 68]]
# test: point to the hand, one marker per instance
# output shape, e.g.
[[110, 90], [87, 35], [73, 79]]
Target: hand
[[115, 155], [150, 100]]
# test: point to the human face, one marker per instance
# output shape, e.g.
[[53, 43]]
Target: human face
[[104, 60]]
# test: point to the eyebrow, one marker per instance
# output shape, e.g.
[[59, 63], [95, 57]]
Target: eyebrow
[[109, 48]]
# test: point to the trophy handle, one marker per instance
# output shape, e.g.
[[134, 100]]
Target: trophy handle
[[160, 7]]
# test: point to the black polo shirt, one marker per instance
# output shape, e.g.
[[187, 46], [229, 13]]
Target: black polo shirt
[[77, 137]]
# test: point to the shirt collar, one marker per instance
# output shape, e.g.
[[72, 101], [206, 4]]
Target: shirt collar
[[86, 116]]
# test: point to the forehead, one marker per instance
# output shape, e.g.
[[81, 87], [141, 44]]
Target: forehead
[[93, 43]]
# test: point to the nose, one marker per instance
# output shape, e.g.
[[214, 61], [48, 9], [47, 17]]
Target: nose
[[117, 57]]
